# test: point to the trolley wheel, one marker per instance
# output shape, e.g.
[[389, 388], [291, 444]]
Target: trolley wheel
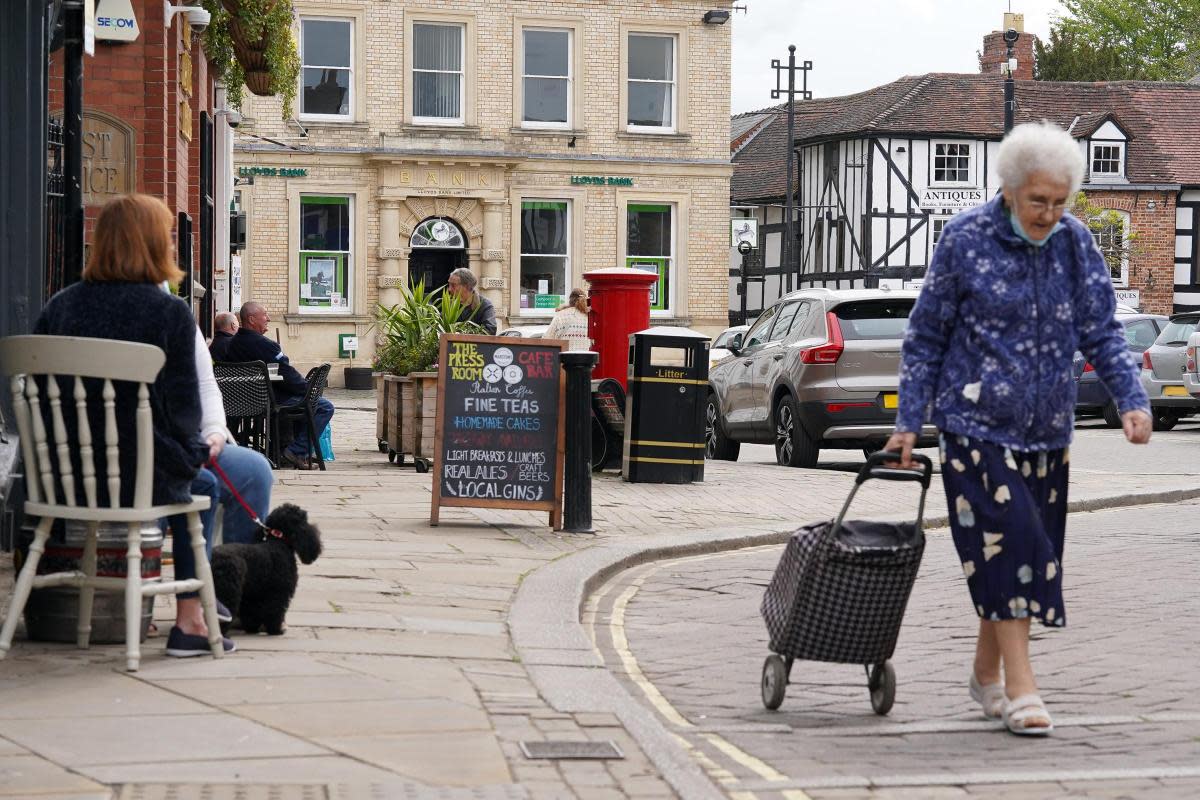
[[882, 684], [421, 465], [391, 456], [774, 682], [383, 448]]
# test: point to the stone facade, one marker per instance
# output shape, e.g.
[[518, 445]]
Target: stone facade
[[481, 170]]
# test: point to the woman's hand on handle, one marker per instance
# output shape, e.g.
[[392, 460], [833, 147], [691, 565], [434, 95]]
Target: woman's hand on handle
[[903, 443], [1137, 426]]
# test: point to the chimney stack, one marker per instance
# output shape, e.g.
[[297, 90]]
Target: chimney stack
[[994, 58]]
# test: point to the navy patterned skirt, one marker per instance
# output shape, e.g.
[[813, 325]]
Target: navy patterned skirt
[[1008, 514]]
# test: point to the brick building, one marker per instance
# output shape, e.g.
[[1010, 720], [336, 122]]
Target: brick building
[[880, 172], [528, 142], [151, 124]]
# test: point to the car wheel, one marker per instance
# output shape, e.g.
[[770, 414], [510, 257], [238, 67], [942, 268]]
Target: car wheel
[[1164, 421], [793, 448], [1112, 417], [716, 444]]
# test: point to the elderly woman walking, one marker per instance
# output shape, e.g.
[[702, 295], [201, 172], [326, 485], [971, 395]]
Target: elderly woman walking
[[1014, 288]]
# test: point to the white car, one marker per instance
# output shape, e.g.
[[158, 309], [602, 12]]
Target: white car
[[526, 331], [720, 345], [1191, 366]]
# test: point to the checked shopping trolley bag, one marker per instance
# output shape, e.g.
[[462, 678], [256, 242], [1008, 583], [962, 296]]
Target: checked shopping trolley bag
[[841, 587]]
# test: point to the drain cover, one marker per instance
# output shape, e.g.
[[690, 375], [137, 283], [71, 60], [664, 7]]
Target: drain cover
[[605, 749], [213, 791]]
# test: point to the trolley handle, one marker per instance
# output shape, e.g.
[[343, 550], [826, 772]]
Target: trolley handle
[[874, 468]]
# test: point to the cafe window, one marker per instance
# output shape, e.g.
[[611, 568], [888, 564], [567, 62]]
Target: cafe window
[[650, 247], [438, 73], [327, 73], [547, 79], [545, 256], [652, 83], [951, 164], [325, 256]]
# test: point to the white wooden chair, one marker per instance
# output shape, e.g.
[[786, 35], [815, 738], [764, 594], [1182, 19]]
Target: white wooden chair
[[22, 358]]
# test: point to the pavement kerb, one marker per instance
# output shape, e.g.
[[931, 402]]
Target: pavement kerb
[[550, 639]]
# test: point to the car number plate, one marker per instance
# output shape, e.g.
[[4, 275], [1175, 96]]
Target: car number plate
[[891, 400], [1175, 391]]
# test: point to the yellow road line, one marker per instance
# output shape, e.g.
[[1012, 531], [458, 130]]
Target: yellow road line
[[668, 711]]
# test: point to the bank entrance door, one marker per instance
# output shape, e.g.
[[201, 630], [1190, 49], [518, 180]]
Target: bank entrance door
[[438, 248]]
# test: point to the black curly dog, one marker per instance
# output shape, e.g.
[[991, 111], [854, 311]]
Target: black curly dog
[[256, 582]]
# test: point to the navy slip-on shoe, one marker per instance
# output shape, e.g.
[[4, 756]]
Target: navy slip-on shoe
[[186, 645], [223, 614]]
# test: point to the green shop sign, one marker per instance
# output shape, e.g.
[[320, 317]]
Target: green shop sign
[[273, 172], [600, 180]]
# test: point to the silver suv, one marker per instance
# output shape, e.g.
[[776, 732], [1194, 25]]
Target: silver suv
[[819, 369]]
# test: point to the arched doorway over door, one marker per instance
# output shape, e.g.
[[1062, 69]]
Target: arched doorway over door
[[438, 248]]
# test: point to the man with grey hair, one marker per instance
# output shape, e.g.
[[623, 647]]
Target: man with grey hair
[[251, 344], [226, 325], [476, 307]]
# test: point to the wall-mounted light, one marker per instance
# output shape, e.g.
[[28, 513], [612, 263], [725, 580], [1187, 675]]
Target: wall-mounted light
[[716, 17]]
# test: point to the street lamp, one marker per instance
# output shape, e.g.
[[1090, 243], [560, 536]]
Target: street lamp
[[791, 93], [1010, 101]]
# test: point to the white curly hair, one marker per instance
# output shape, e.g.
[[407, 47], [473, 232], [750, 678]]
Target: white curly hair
[[1040, 147]]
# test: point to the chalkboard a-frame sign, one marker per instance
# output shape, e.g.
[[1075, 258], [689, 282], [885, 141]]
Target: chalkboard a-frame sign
[[500, 427]]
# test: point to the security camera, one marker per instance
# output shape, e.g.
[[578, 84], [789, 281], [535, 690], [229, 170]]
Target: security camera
[[1011, 36], [196, 16]]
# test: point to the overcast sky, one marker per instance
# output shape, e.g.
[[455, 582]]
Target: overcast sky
[[858, 44]]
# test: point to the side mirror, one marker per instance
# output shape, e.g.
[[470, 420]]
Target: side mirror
[[735, 344]]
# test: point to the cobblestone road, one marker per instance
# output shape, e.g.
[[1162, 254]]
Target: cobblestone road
[[1117, 680]]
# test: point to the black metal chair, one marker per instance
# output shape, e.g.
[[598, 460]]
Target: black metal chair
[[315, 382], [246, 392]]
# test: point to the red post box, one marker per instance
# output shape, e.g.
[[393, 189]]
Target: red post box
[[620, 300]]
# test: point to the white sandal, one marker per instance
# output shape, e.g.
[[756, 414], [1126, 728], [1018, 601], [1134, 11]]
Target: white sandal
[[991, 698], [1020, 710]]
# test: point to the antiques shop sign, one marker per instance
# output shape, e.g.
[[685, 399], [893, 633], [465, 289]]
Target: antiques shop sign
[[934, 199]]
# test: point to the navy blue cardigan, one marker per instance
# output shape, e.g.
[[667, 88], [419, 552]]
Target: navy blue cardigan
[[138, 312]]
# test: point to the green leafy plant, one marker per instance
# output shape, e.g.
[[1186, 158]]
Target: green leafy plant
[[256, 22], [411, 329], [1117, 245]]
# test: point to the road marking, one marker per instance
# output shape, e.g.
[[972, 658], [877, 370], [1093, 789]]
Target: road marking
[[669, 712], [976, 778], [969, 726]]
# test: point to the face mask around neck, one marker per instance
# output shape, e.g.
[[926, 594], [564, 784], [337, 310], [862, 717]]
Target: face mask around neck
[[1019, 230]]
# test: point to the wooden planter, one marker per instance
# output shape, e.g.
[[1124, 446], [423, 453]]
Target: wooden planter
[[426, 399], [395, 415], [381, 388]]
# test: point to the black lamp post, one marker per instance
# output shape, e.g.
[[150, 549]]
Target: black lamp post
[[1010, 87], [804, 94]]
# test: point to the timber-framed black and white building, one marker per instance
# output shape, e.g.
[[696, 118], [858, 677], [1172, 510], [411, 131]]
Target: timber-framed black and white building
[[880, 173]]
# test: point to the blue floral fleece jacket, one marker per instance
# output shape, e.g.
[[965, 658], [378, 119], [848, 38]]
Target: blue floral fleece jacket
[[990, 342]]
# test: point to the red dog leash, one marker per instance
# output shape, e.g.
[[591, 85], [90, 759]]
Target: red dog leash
[[212, 462]]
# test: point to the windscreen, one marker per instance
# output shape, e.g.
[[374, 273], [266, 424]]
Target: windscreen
[[1177, 331]]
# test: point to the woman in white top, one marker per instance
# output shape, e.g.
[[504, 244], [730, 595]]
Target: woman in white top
[[571, 322]]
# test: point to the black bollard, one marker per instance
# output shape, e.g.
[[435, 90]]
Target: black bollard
[[577, 477]]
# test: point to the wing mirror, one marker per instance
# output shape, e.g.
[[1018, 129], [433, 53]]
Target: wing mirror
[[735, 344]]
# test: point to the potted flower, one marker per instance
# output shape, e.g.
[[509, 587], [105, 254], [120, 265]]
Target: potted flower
[[410, 332], [250, 44]]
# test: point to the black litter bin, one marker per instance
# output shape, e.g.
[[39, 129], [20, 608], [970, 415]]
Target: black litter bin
[[664, 409]]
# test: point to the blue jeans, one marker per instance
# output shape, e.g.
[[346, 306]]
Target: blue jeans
[[251, 475], [300, 446]]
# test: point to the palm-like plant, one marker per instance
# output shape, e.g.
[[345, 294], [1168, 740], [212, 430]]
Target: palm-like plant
[[412, 327]]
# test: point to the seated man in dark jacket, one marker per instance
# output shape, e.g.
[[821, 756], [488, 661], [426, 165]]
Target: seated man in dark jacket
[[226, 326], [250, 344]]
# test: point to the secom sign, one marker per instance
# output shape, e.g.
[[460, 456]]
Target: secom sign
[[115, 21]]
